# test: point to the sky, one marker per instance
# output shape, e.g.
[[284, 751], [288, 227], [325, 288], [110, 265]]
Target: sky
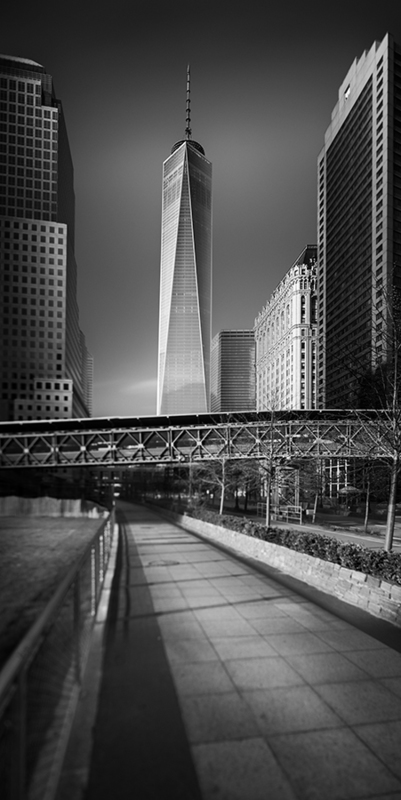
[[264, 81]]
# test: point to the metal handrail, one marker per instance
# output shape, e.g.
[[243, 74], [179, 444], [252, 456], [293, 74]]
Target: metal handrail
[[13, 675]]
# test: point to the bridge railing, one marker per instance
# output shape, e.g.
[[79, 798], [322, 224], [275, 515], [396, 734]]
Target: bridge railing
[[40, 683], [286, 513]]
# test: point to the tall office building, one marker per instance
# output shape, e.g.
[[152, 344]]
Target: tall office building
[[285, 333], [45, 368], [233, 371], [185, 279], [359, 222]]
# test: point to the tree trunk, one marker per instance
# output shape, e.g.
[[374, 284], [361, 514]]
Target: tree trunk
[[365, 526], [190, 485], [268, 487], [222, 499], [388, 544], [315, 507], [223, 486]]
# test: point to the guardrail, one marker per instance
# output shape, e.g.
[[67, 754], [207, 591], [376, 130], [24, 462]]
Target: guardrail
[[286, 513], [40, 683]]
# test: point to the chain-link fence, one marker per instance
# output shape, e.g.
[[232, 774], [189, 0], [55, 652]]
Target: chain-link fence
[[40, 683]]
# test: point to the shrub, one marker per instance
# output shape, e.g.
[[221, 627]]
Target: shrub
[[386, 566]]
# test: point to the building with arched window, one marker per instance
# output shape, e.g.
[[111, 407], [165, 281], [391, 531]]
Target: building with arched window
[[285, 333]]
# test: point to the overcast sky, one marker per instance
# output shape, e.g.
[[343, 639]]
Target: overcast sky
[[264, 80]]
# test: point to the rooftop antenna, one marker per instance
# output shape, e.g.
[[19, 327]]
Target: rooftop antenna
[[188, 130]]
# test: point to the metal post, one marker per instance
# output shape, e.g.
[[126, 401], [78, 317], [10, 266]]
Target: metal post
[[77, 626], [93, 581], [19, 778]]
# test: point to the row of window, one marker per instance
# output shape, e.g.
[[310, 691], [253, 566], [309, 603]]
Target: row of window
[[33, 226], [25, 127]]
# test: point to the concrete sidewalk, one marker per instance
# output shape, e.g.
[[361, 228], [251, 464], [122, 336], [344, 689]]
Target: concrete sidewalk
[[222, 682]]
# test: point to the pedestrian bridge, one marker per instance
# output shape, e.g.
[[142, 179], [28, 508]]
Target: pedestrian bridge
[[128, 441]]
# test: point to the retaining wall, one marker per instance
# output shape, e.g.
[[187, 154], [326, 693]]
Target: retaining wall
[[374, 595]]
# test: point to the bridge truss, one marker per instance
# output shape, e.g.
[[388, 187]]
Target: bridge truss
[[126, 442]]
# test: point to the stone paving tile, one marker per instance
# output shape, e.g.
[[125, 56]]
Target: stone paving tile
[[242, 660], [239, 595], [164, 590], [318, 612], [137, 577], [240, 770], [184, 572], [394, 684], [205, 557], [157, 574], [380, 663], [216, 629], [332, 765], [206, 677], [349, 639], [212, 570], [234, 568], [137, 604], [218, 614], [392, 796], [202, 601], [180, 625], [201, 586], [384, 739], [325, 668], [261, 673], [297, 643], [361, 701], [169, 603], [233, 647], [290, 710], [228, 583], [186, 651], [217, 717], [303, 615], [259, 609], [264, 585], [276, 624]]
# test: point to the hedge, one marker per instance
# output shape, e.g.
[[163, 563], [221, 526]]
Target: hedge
[[380, 563]]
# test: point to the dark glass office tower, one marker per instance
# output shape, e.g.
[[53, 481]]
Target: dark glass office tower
[[359, 223], [45, 367], [233, 371], [185, 280]]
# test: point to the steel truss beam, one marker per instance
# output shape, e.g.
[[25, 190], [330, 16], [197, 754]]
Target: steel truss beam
[[119, 442]]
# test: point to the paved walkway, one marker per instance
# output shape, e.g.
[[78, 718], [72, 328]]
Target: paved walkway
[[222, 682]]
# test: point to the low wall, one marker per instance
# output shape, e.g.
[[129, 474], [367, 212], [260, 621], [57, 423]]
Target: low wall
[[49, 507], [372, 594]]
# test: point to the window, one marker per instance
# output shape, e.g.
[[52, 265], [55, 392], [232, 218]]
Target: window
[[303, 308]]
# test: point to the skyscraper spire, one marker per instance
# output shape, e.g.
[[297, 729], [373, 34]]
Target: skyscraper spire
[[188, 130], [183, 380]]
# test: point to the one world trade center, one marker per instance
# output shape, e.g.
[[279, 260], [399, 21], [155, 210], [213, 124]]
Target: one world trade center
[[183, 385]]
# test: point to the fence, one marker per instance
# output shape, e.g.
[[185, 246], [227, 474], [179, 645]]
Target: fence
[[40, 683], [281, 513]]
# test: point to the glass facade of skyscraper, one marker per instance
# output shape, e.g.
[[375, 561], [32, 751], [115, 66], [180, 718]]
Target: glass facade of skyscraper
[[359, 219], [185, 282], [233, 371], [42, 345]]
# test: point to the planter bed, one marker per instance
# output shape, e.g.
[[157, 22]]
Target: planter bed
[[373, 594]]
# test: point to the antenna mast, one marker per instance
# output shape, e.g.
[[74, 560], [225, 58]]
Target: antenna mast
[[188, 130]]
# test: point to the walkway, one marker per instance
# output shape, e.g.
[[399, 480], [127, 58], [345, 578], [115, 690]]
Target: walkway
[[222, 682]]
